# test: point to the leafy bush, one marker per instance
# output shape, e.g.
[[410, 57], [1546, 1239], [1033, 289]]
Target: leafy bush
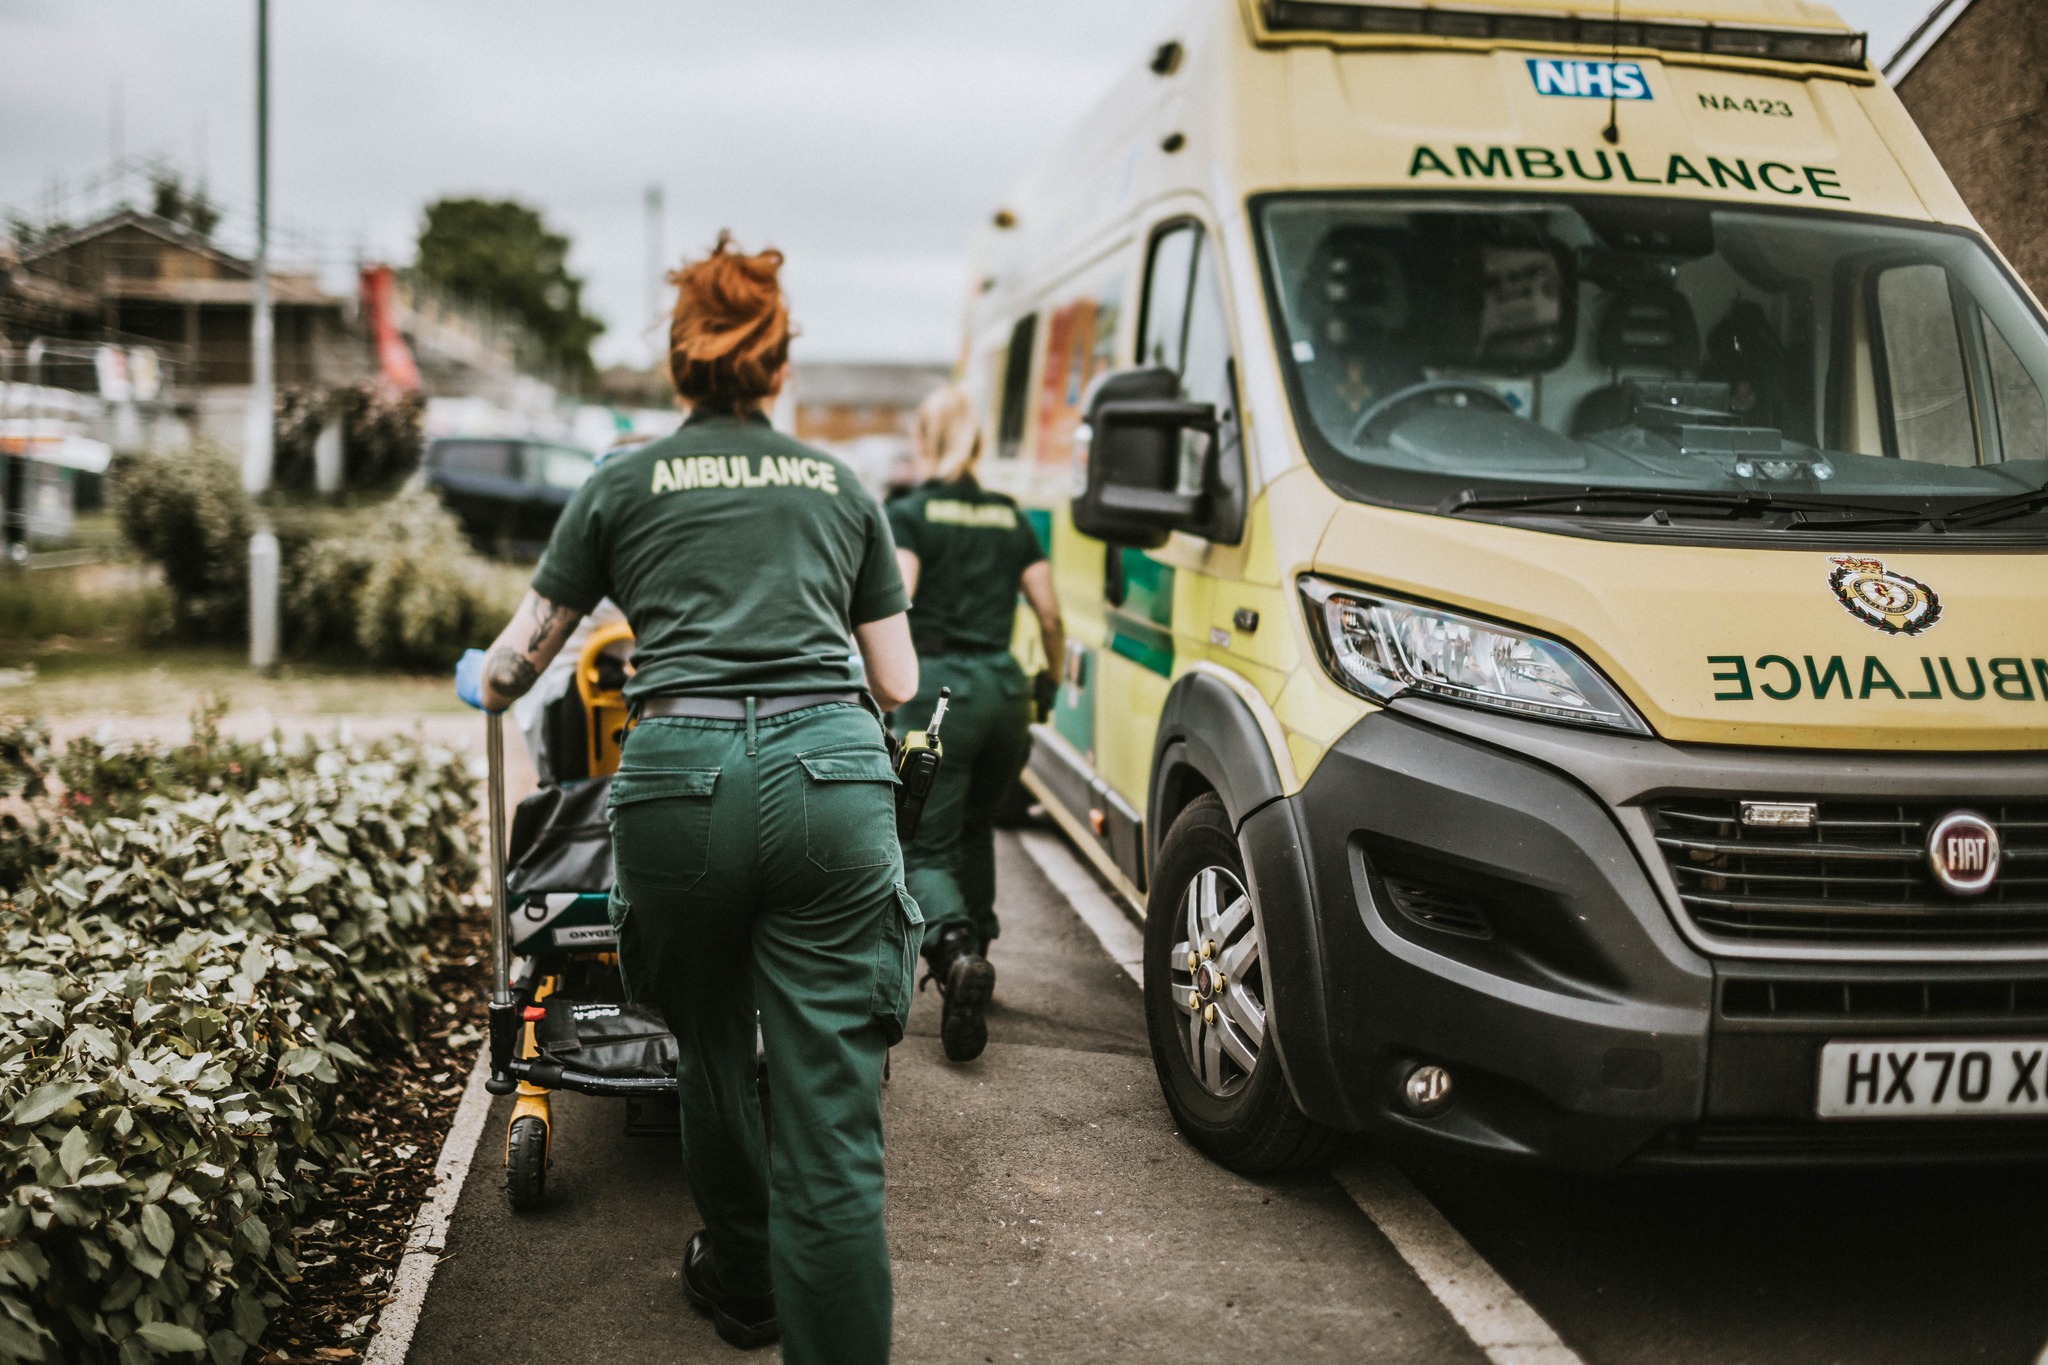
[[197, 946], [385, 437], [403, 589], [188, 514], [392, 583], [381, 440], [301, 411]]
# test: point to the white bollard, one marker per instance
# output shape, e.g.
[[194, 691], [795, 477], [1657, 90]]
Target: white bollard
[[263, 584], [327, 453]]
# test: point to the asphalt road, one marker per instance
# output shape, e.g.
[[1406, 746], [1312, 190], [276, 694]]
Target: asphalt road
[[1043, 1209]]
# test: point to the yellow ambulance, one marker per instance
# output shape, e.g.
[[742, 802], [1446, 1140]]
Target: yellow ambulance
[[1548, 502]]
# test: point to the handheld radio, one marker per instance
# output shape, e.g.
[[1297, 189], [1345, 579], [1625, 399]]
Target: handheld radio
[[917, 767]]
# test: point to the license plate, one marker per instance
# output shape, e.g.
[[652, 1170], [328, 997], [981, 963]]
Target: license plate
[[1933, 1078]]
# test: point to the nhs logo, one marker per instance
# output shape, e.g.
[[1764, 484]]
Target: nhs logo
[[1589, 80]]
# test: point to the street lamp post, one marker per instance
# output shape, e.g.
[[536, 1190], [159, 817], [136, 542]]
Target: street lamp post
[[259, 454], [657, 273]]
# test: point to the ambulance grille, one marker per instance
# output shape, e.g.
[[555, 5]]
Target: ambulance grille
[[1438, 907], [1858, 875]]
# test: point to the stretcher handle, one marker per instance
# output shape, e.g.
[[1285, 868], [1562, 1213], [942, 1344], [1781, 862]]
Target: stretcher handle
[[501, 952]]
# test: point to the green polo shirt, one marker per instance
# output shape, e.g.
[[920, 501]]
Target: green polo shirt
[[972, 546], [741, 558]]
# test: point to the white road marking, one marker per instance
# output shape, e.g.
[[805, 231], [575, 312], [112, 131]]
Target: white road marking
[[1112, 928], [1499, 1321], [401, 1315]]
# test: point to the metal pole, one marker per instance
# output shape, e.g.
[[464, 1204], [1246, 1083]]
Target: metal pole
[[258, 454], [657, 253], [501, 953], [504, 1010]]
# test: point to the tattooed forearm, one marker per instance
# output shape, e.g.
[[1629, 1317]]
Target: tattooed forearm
[[547, 618], [510, 673], [528, 645]]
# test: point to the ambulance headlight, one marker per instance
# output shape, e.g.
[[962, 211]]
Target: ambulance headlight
[[1383, 648]]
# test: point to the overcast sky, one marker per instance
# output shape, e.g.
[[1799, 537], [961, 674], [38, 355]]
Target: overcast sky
[[868, 140]]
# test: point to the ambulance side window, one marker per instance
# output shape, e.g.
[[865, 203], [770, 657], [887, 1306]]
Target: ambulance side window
[[1924, 373], [1016, 397], [1187, 330], [1205, 359], [1163, 340]]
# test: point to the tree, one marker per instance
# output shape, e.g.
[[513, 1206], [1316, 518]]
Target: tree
[[499, 253], [192, 208]]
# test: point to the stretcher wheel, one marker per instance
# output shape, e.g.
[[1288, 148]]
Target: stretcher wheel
[[526, 1162]]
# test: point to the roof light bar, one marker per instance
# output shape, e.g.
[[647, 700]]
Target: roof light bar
[[1821, 47]]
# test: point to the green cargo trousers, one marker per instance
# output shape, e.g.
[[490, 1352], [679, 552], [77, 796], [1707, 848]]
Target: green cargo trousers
[[950, 866], [758, 870]]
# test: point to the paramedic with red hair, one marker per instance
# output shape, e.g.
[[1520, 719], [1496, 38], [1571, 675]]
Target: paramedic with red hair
[[753, 814]]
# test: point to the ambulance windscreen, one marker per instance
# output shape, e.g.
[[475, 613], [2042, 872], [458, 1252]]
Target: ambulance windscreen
[[1436, 347]]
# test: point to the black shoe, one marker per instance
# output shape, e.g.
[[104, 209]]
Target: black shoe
[[966, 981], [748, 1323]]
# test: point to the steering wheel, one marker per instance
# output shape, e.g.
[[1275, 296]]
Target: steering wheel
[[1380, 413]]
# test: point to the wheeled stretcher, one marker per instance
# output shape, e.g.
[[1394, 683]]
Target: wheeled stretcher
[[559, 1019]]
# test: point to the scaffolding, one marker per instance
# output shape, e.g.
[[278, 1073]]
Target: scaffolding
[[137, 182]]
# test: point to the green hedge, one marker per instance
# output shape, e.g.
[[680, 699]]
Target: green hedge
[[199, 945], [188, 515], [392, 583], [382, 434], [400, 588]]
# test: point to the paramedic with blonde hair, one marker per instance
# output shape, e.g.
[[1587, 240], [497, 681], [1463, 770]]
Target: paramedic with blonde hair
[[753, 814], [965, 553]]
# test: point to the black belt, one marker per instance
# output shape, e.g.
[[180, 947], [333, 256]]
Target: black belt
[[735, 708]]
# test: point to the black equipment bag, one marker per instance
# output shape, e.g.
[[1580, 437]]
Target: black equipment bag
[[604, 1038], [561, 841]]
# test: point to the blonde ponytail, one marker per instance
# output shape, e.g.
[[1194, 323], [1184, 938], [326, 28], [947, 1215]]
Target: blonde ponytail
[[948, 436]]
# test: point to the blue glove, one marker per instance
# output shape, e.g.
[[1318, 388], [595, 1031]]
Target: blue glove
[[469, 679]]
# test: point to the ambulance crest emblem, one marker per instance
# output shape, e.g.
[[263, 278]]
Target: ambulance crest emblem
[[1883, 598]]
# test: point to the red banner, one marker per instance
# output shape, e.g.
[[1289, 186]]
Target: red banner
[[394, 357]]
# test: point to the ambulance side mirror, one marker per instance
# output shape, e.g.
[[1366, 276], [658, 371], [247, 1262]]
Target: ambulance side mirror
[[1151, 460]]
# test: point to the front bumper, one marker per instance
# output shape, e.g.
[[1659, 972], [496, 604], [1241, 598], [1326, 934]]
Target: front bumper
[[1481, 893]]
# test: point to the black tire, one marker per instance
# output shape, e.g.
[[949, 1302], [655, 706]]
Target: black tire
[[1245, 1119], [526, 1163]]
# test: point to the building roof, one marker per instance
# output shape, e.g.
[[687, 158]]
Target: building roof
[[1922, 39], [177, 234], [234, 282]]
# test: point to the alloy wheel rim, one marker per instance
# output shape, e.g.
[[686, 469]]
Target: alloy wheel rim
[[1217, 980]]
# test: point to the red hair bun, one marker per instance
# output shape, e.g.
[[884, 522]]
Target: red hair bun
[[729, 337]]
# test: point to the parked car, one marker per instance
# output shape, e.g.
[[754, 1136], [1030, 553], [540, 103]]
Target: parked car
[[506, 491]]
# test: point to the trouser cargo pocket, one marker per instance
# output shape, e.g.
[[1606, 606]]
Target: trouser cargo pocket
[[661, 826], [896, 965], [849, 807]]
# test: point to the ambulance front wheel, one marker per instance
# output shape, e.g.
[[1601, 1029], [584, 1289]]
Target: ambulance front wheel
[[1206, 995], [526, 1163]]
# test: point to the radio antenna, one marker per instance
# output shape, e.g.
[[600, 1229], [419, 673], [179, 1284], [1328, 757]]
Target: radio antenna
[[1612, 132]]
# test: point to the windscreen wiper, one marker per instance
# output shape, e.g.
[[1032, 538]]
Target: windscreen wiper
[[1838, 515], [1998, 509], [1470, 500]]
